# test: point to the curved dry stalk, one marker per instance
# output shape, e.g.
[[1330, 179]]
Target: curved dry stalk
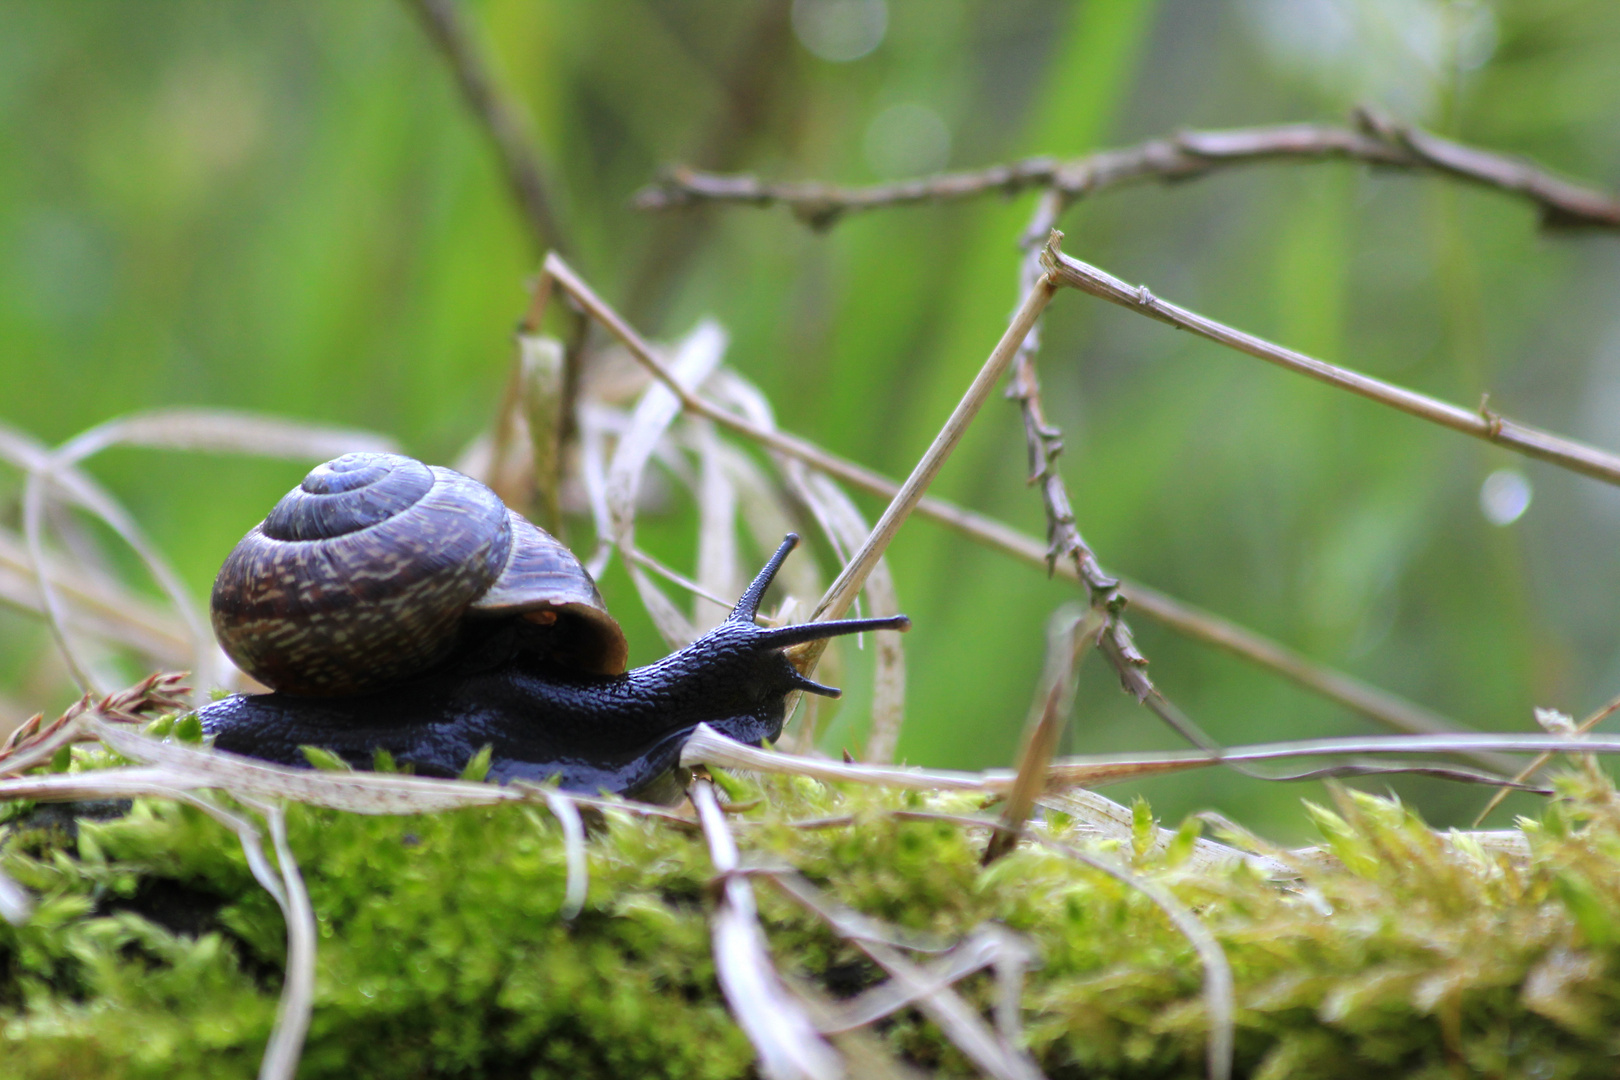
[[297, 1002], [43, 472], [95, 605], [573, 829], [223, 430], [705, 746], [173, 428], [972, 956], [674, 577], [1375, 141], [782, 1033], [717, 499], [845, 525], [522, 460], [988, 945], [960, 1023], [695, 358]]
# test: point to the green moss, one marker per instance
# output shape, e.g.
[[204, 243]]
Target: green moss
[[154, 953]]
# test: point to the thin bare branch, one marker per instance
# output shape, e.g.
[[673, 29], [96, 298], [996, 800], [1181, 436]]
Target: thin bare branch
[[841, 593], [821, 205], [1378, 142], [499, 115], [1564, 205], [1481, 423], [1044, 442]]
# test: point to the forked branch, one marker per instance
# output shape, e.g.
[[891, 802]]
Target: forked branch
[[1379, 705]]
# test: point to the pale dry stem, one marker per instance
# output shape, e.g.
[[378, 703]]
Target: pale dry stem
[[1481, 423], [1069, 637]]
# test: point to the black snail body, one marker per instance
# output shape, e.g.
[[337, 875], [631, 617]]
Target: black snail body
[[500, 640]]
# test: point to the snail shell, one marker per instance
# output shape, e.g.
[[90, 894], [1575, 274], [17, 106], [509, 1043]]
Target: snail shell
[[363, 574]]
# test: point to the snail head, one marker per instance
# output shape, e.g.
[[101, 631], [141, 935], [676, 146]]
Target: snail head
[[739, 666]]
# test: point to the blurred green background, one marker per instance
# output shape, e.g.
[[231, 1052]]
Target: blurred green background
[[286, 208]]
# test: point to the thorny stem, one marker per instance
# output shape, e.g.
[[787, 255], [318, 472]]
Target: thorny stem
[[1374, 140], [1064, 543]]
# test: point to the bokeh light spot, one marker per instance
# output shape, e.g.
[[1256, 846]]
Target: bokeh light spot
[[1505, 496], [840, 30]]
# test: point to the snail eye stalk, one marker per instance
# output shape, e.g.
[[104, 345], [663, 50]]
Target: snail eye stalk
[[748, 606]]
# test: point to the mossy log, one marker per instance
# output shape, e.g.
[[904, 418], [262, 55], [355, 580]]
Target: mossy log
[[1393, 950]]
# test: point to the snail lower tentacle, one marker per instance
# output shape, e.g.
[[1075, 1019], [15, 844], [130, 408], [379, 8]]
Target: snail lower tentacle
[[542, 719]]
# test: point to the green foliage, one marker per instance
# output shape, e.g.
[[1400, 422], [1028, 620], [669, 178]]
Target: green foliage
[[1395, 951], [287, 208]]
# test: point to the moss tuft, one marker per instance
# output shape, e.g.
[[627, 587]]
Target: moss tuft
[[1400, 952]]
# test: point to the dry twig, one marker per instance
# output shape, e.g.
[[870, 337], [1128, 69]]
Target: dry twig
[[1068, 638], [1375, 140]]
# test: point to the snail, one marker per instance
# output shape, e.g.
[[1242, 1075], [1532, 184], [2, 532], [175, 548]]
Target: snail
[[397, 607]]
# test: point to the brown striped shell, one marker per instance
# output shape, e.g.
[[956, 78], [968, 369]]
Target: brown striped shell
[[362, 575]]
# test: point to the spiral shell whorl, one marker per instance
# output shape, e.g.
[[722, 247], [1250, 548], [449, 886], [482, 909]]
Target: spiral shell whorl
[[360, 575]]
